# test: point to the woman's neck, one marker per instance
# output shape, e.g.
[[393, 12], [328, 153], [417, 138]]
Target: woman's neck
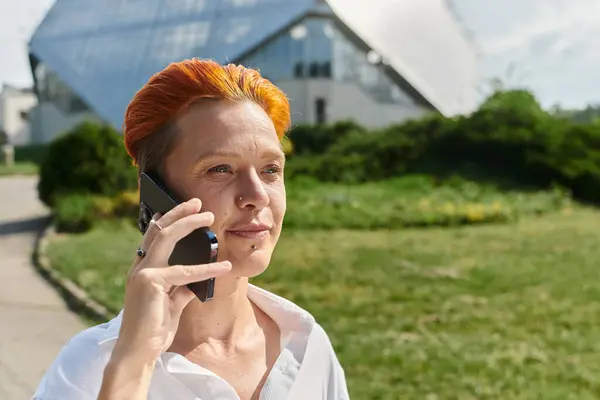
[[226, 318]]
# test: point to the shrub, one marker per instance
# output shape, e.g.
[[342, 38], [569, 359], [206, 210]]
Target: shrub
[[126, 205], [33, 153], [317, 139], [510, 140], [74, 213], [78, 212], [91, 158], [305, 166]]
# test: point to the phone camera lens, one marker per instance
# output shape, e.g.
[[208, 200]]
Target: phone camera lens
[[141, 226], [144, 218], [147, 216]]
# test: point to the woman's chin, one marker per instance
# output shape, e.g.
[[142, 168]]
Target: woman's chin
[[250, 265]]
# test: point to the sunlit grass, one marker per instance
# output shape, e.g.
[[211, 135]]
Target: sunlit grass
[[20, 168], [479, 312]]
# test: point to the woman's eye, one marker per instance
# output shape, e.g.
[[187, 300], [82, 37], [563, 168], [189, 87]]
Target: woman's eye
[[272, 169], [220, 169]]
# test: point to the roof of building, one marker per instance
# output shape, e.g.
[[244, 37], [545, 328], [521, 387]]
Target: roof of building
[[106, 50], [424, 43]]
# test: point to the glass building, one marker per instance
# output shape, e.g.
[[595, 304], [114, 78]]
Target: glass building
[[374, 61]]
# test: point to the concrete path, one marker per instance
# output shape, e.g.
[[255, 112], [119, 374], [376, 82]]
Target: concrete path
[[34, 321]]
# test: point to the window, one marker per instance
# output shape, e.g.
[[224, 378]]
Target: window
[[297, 53], [299, 70], [315, 48], [50, 87], [313, 71], [320, 111], [326, 69]]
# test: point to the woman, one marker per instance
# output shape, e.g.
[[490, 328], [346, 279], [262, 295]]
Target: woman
[[213, 134]]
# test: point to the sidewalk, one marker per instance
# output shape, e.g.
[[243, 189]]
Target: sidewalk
[[34, 321]]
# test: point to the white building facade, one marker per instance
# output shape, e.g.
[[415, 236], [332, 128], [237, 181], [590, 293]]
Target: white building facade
[[15, 106]]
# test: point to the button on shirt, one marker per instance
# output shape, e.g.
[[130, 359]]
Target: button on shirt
[[307, 367]]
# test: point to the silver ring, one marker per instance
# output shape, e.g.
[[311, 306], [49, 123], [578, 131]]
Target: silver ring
[[140, 252], [152, 221]]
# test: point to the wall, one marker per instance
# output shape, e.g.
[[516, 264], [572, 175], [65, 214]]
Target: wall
[[13, 102], [344, 101], [47, 121]]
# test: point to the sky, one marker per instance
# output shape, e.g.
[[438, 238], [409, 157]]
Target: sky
[[548, 46], [551, 47], [18, 20]]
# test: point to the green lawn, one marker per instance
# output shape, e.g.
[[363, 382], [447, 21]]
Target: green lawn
[[19, 168], [479, 312], [408, 201], [411, 201]]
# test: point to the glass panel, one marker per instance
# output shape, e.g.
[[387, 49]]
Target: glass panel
[[235, 29], [315, 49], [172, 43], [352, 64], [51, 88], [303, 51], [186, 7]]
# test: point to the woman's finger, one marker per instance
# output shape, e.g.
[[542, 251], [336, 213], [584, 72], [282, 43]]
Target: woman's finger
[[181, 297], [166, 239], [180, 275], [182, 210], [148, 238], [153, 228]]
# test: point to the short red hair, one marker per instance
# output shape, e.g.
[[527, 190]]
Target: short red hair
[[173, 90]]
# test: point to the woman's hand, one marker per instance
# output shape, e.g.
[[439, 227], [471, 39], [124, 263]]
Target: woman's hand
[[156, 295]]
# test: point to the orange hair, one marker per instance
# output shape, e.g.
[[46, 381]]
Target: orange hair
[[173, 90]]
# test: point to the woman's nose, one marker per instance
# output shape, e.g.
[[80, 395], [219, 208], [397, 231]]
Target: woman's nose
[[252, 194]]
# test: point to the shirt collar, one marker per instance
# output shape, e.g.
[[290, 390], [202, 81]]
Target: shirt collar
[[287, 315]]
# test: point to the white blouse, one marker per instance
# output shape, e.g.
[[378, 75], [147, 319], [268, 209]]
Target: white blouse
[[307, 367]]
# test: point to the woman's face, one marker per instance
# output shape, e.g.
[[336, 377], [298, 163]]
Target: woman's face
[[228, 155]]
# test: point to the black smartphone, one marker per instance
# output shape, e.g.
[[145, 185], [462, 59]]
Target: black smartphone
[[199, 247]]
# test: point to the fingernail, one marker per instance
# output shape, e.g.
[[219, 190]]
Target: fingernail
[[156, 216]]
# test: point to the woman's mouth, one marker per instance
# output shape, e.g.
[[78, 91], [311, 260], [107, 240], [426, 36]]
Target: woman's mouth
[[255, 231], [251, 234]]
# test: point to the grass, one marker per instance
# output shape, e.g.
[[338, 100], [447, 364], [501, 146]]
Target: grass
[[19, 168], [27, 160], [409, 201], [479, 312]]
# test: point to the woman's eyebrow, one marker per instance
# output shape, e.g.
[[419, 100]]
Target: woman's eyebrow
[[219, 153]]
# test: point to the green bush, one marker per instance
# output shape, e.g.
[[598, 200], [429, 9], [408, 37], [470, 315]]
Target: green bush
[[74, 213], [79, 212], [510, 141], [32, 153], [360, 156], [126, 205], [317, 139], [305, 166], [91, 158]]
